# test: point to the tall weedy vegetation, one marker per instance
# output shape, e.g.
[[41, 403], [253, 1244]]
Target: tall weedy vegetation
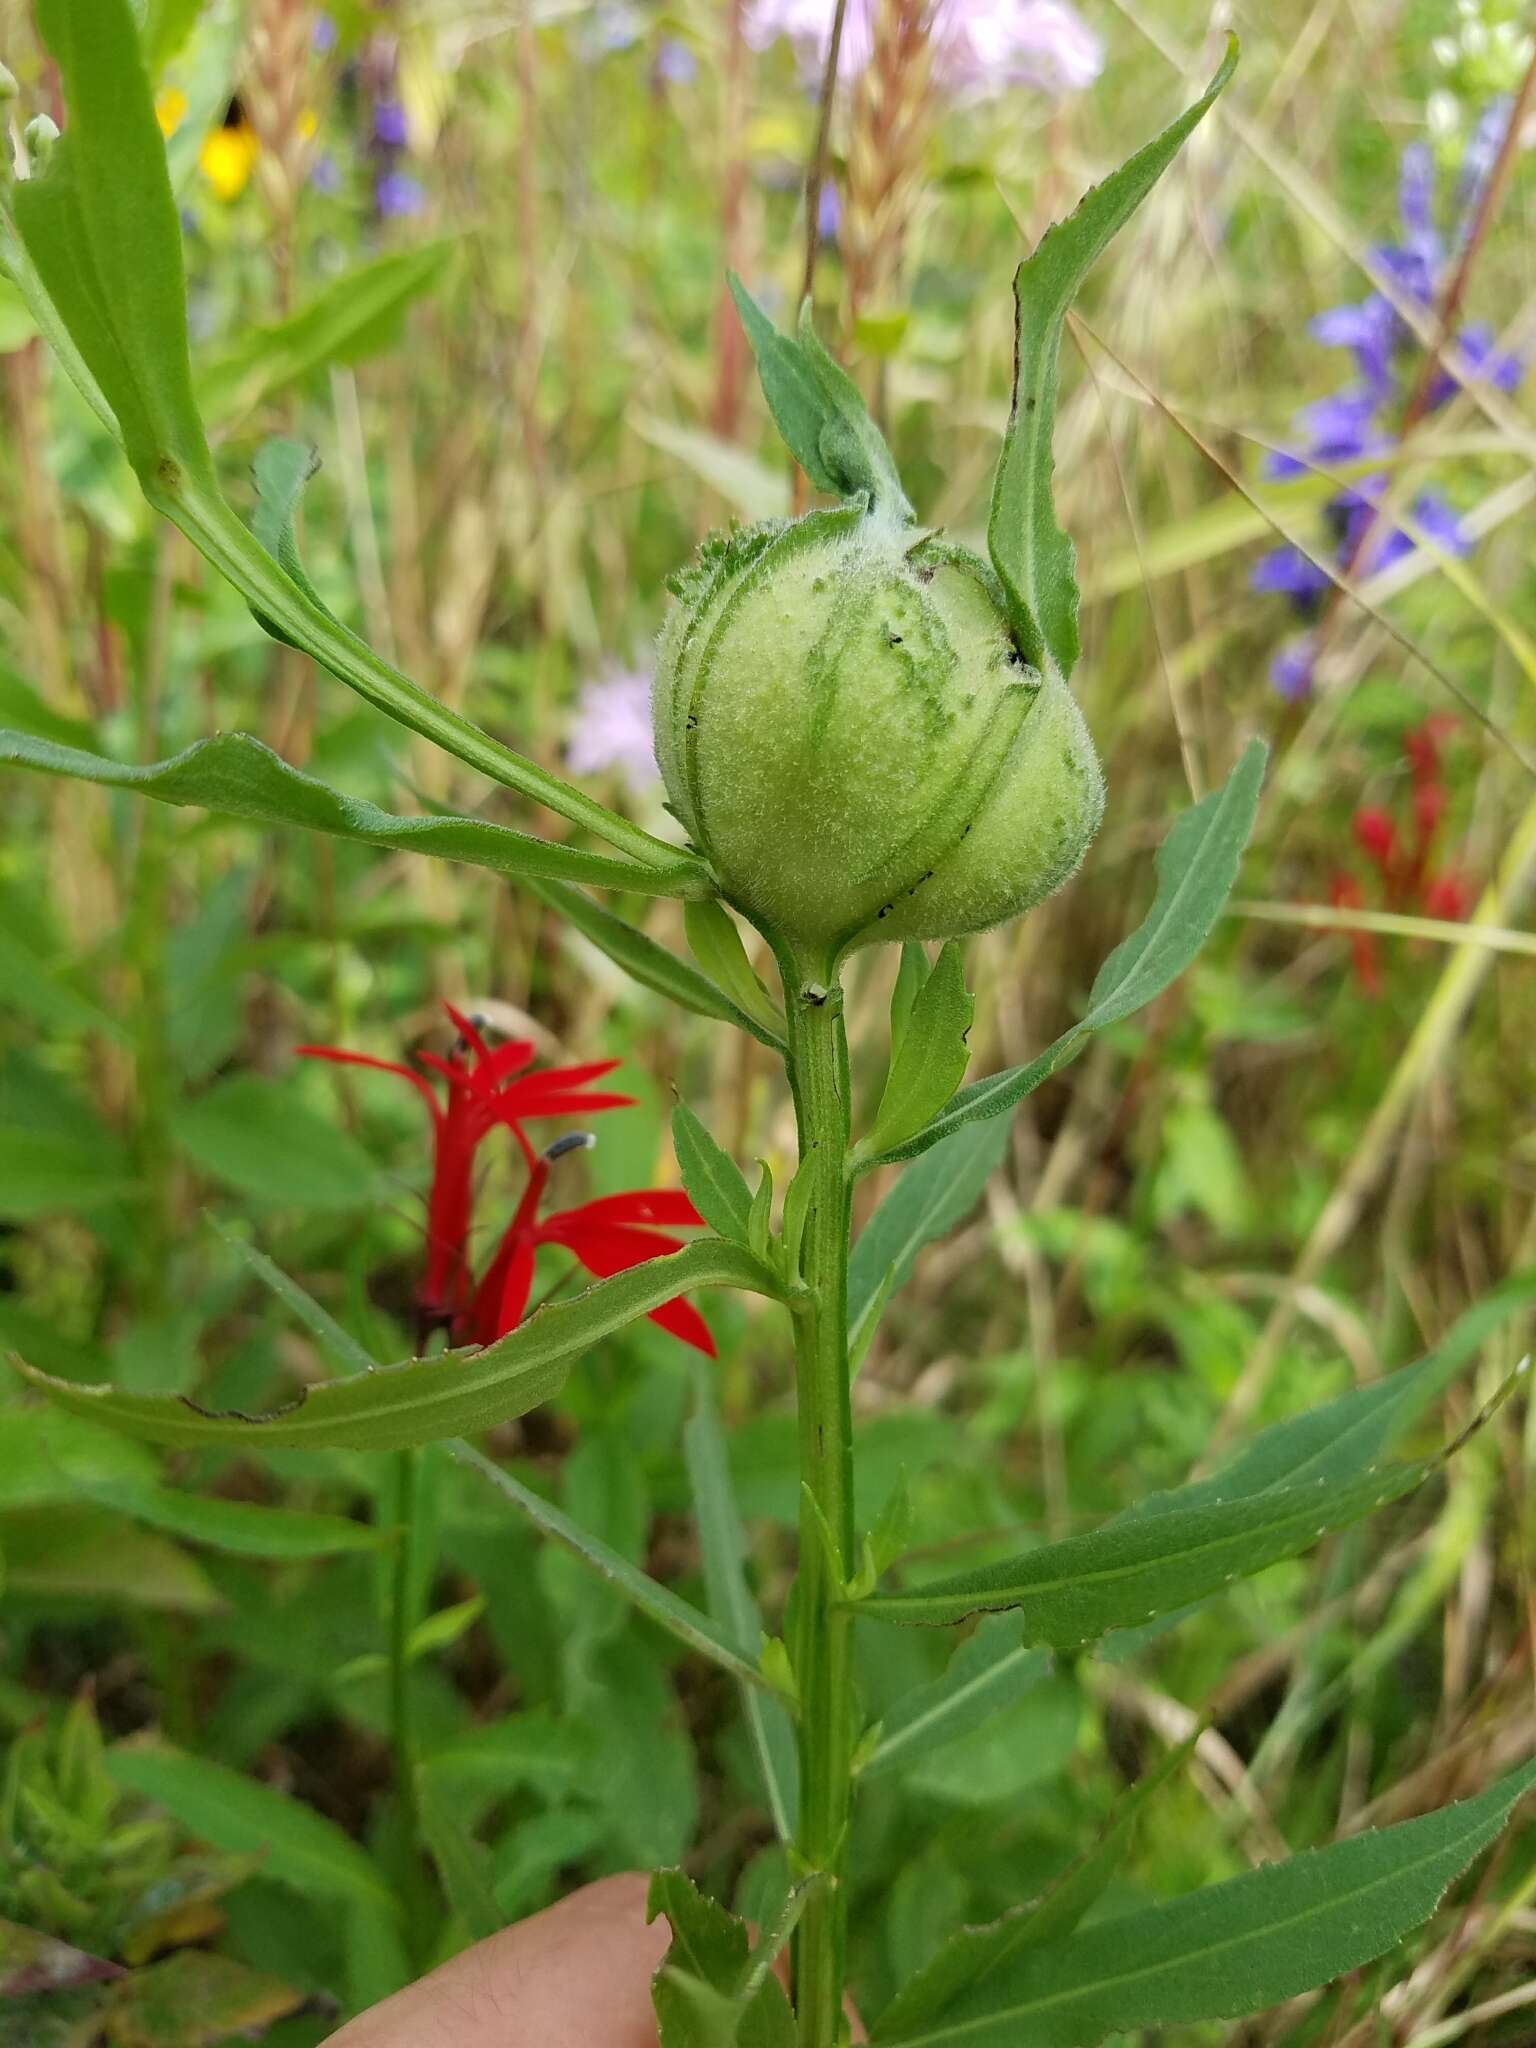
[[868, 737]]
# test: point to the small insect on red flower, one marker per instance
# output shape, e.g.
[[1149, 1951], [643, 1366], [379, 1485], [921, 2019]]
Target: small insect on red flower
[[486, 1089]]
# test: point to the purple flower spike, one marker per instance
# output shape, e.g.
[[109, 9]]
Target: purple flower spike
[[1481, 153], [1437, 521], [1413, 271], [398, 195], [1291, 670], [1475, 350], [829, 212], [1340, 427], [1416, 193], [1287, 572], [390, 130], [323, 36], [1367, 331]]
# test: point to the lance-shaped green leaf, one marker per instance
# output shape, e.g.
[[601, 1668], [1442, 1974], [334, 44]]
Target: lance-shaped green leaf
[[101, 228], [929, 1063], [719, 951], [1343, 1438], [930, 1197], [819, 412], [18, 266], [992, 1669], [352, 316], [1033, 557], [910, 977], [1071, 1592], [975, 1953], [280, 473], [240, 1527], [299, 1847], [426, 1399], [237, 776], [1196, 866], [340, 1346], [102, 275], [723, 1542], [714, 1181], [646, 962], [1233, 1948], [463, 1864], [701, 1633]]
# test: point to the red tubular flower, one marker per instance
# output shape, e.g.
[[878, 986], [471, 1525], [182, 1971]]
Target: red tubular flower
[[486, 1088], [1447, 897], [608, 1236], [1344, 893], [1422, 746], [1376, 836]]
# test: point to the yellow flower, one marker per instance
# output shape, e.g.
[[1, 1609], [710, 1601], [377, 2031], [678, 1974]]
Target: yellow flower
[[227, 158], [170, 111]]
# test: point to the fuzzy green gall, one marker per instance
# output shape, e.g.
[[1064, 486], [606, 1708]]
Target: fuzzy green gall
[[851, 736]]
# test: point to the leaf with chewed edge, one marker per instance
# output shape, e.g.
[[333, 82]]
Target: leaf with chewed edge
[[398, 1407]]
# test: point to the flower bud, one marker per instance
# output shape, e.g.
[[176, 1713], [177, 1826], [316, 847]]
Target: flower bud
[[9, 89], [40, 134], [850, 735]]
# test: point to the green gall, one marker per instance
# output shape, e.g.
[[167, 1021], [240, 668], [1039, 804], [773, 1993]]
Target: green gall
[[849, 733]]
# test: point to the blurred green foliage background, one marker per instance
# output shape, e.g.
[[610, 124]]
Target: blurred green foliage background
[[476, 253]]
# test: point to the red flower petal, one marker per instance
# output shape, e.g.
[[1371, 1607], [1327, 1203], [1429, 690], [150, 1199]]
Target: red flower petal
[[506, 1060], [606, 1249], [516, 1286], [527, 1098], [682, 1319], [469, 1031], [577, 1077], [454, 1072], [339, 1057], [666, 1206], [1376, 835]]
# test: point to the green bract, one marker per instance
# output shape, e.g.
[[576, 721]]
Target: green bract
[[851, 736]]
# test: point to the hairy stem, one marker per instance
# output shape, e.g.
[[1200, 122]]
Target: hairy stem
[[818, 1072]]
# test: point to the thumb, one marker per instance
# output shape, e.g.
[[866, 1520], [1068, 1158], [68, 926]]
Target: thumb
[[574, 1976]]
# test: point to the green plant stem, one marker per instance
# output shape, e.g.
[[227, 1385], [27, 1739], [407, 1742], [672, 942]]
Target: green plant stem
[[402, 1619], [146, 926], [818, 1073]]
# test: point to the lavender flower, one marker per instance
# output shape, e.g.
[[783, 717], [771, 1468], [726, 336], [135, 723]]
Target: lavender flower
[[1291, 670], [324, 36], [981, 48], [675, 62], [390, 130], [611, 731], [829, 212], [1361, 420], [398, 195]]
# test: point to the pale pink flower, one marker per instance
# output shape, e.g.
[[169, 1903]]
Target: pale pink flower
[[611, 730], [981, 47]]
